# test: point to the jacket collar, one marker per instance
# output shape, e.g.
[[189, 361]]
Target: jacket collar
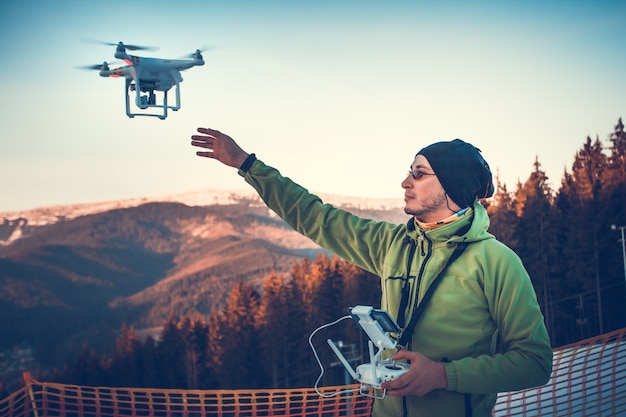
[[470, 228]]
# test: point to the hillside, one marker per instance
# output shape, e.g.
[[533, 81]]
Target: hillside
[[72, 275]]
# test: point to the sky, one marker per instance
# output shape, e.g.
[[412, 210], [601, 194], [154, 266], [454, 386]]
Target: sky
[[338, 95]]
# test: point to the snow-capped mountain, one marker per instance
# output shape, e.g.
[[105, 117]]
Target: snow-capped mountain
[[18, 224]]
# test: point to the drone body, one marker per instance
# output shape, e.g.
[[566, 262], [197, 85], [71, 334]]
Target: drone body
[[145, 76]]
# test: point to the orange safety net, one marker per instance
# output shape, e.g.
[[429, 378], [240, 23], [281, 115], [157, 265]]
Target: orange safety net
[[41, 399], [588, 379]]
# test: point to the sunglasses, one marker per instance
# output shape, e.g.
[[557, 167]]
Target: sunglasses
[[418, 175]]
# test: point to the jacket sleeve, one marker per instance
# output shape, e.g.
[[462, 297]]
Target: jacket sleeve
[[525, 356], [338, 231]]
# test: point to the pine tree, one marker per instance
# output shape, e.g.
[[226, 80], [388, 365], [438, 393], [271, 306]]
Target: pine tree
[[616, 169], [148, 364], [125, 361], [613, 200], [191, 357], [325, 286], [274, 335], [88, 369], [171, 356], [585, 220], [537, 233], [198, 354], [502, 217], [614, 176], [359, 286], [214, 351], [241, 365]]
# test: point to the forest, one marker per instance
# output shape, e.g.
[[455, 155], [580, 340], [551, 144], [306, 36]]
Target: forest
[[570, 240]]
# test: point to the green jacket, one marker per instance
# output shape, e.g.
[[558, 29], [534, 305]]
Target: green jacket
[[483, 320]]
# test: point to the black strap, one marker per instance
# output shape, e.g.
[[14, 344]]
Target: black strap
[[407, 334], [468, 405], [404, 300]]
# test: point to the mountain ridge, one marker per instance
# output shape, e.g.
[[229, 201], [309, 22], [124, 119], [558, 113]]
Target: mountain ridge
[[73, 274], [18, 223]]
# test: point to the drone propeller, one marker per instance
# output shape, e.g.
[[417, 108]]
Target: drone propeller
[[99, 67], [198, 53], [122, 45]]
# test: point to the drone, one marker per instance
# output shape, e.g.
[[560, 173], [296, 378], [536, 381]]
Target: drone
[[147, 76]]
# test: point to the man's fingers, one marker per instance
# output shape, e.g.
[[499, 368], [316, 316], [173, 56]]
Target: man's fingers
[[210, 132], [202, 144], [202, 141], [394, 385], [203, 138], [207, 142], [206, 154]]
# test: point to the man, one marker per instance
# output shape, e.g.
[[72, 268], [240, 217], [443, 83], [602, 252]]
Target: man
[[472, 324]]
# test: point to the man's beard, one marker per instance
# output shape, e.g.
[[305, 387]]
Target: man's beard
[[426, 207]]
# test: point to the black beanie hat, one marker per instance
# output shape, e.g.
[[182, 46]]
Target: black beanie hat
[[461, 170]]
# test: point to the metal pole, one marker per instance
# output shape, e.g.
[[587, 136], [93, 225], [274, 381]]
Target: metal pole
[[28, 381], [621, 228]]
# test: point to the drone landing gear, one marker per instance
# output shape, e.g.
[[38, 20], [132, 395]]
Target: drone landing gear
[[148, 100]]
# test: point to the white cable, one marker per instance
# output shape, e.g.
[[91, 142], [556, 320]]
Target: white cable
[[319, 362]]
